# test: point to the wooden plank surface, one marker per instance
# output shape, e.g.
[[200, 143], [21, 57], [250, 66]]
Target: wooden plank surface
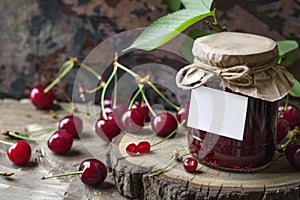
[[26, 183]]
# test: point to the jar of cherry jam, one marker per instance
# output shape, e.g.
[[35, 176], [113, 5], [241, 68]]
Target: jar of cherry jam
[[245, 65]]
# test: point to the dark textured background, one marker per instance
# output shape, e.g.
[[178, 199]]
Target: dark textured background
[[37, 36]]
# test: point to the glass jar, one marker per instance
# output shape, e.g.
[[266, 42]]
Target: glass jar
[[243, 64], [255, 152]]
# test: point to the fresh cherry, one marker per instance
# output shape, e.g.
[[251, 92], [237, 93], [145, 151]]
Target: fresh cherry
[[144, 108], [91, 172], [19, 153], [108, 102], [282, 129], [291, 113], [107, 129], [71, 123], [60, 142], [94, 171], [190, 164], [40, 99], [132, 149], [183, 112], [133, 120], [164, 124], [144, 147]]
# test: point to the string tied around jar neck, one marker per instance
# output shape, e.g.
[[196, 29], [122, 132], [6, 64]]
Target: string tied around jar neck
[[198, 73]]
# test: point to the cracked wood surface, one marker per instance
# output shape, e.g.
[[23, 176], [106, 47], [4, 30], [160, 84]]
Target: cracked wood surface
[[26, 183], [277, 181]]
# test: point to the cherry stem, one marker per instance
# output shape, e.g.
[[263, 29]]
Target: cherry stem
[[11, 133], [5, 142], [6, 174], [286, 102], [115, 90], [170, 135], [174, 157], [104, 91], [294, 133], [135, 96], [163, 96], [141, 86], [60, 175], [117, 64], [40, 130], [68, 66], [89, 69], [101, 85]]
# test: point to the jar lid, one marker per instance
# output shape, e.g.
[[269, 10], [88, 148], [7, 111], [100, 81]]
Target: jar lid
[[245, 62]]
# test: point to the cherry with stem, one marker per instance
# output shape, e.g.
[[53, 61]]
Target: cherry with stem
[[91, 172], [19, 152]]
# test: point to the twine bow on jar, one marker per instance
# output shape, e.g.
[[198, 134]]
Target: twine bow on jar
[[197, 74]]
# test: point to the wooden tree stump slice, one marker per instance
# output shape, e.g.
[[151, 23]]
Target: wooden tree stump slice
[[277, 181]]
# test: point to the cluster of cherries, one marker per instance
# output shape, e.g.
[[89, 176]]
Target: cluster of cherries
[[288, 122]]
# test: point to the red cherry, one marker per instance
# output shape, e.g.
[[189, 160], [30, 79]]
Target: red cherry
[[132, 149], [183, 112], [19, 153], [133, 120], [107, 129], [72, 124], [163, 124], [291, 114], [144, 147], [108, 102], [60, 142], [94, 171], [190, 164], [282, 129], [40, 99], [144, 108]]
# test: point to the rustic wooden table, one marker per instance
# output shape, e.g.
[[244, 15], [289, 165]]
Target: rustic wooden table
[[26, 183], [278, 181]]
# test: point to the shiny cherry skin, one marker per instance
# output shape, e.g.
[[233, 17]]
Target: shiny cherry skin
[[183, 112], [19, 153], [108, 102], [190, 164], [107, 129], [296, 159], [132, 149], [291, 114], [282, 129], [60, 142], [71, 123], [94, 171], [40, 99], [133, 120], [144, 108], [164, 124], [144, 147]]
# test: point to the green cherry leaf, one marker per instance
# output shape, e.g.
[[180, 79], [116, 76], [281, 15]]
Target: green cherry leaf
[[200, 5], [174, 5], [295, 92], [166, 28], [286, 46]]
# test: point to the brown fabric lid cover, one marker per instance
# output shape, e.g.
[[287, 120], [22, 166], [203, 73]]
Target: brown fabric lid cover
[[245, 62]]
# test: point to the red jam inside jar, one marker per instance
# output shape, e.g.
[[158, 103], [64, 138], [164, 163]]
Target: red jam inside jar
[[255, 152]]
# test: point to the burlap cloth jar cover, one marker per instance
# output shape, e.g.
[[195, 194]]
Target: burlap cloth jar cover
[[245, 62]]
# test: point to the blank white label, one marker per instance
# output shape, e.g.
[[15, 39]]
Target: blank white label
[[218, 112]]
